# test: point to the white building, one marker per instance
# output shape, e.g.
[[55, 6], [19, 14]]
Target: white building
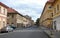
[[56, 23]]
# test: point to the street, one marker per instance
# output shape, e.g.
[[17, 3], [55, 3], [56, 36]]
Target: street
[[57, 35], [29, 18], [24, 34]]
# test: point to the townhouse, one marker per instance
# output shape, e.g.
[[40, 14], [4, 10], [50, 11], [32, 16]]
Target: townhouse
[[3, 15], [24, 21], [55, 13], [14, 18], [27, 21], [46, 18]]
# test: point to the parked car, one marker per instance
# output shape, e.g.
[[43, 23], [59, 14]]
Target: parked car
[[13, 27], [9, 28], [6, 29]]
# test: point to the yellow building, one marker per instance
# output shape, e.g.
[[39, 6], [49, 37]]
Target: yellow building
[[47, 14], [3, 15]]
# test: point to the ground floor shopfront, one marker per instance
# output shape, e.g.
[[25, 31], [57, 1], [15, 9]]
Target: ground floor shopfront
[[56, 23]]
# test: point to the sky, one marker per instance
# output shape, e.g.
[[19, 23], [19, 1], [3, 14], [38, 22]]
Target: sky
[[33, 8]]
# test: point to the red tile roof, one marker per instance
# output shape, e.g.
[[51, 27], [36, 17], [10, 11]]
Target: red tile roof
[[3, 5], [10, 10]]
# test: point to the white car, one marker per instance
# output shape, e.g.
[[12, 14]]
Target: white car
[[8, 28]]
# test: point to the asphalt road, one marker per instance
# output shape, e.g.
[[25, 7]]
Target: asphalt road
[[25, 34], [56, 34]]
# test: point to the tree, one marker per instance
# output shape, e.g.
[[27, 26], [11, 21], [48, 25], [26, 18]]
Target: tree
[[37, 22]]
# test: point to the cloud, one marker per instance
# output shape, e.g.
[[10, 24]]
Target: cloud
[[32, 8], [34, 14], [17, 2]]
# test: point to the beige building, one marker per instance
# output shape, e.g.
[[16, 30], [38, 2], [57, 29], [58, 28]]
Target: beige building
[[14, 18], [27, 21], [3, 15]]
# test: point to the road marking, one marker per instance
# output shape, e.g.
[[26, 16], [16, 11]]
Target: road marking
[[27, 31], [21, 31]]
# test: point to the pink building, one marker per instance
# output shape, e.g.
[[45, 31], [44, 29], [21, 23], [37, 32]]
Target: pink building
[[3, 15]]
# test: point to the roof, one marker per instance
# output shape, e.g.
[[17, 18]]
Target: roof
[[3, 5], [13, 11], [10, 10]]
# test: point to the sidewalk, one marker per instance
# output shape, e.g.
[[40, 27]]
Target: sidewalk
[[57, 34], [49, 32], [53, 34]]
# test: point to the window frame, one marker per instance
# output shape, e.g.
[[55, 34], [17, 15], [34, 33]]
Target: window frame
[[0, 9], [4, 11], [57, 7]]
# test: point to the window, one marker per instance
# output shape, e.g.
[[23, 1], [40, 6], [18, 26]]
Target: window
[[50, 6], [54, 10], [12, 16], [3, 23], [58, 7], [52, 14], [4, 11], [8, 15], [0, 22], [0, 9]]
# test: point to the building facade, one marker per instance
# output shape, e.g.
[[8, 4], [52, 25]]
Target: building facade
[[56, 15], [14, 18], [3, 15], [27, 21], [46, 18]]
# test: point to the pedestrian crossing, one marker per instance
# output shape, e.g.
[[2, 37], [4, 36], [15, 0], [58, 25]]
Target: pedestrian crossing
[[27, 30]]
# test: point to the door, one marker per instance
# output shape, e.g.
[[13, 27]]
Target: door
[[54, 25]]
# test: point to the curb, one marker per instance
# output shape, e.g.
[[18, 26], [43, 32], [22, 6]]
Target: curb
[[47, 34]]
